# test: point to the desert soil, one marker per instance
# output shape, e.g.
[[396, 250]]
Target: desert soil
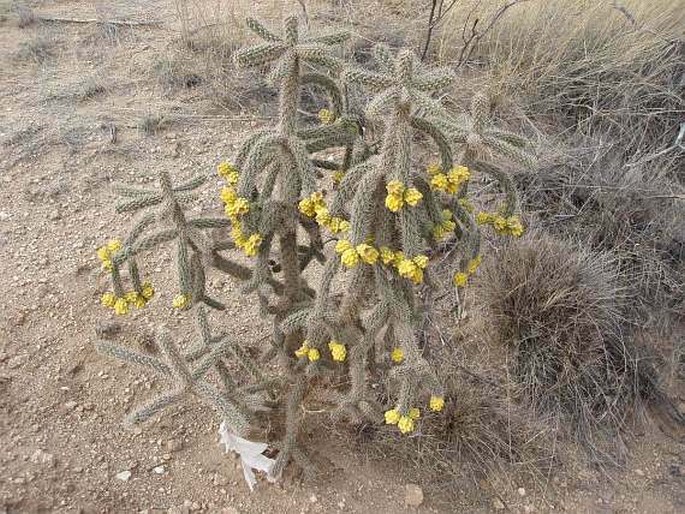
[[63, 444]]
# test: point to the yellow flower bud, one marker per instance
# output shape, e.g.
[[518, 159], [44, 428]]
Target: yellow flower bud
[[313, 354], [367, 253], [406, 425], [108, 300], [412, 196], [460, 279], [121, 306], [397, 355], [326, 116], [181, 301], [437, 403], [392, 417], [338, 351]]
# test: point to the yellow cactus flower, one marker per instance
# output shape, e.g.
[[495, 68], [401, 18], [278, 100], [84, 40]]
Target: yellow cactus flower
[[397, 355], [439, 181], [251, 246], [458, 175], [394, 202], [121, 306], [114, 246], [413, 268], [237, 235], [460, 279], [326, 116], [514, 226], [308, 206], [437, 403], [406, 425], [483, 218], [500, 224], [434, 168], [323, 217], [421, 261], [108, 300], [313, 354], [412, 196], [228, 195], [135, 299], [303, 350], [338, 351], [451, 181], [398, 259], [337, 225], [414, 413], [474, 264], [239, 207], [338, 177], [367, 253], [348, 254], [392, 417], [395, 187], [342, 245], [181, 301], [228, 172], [350, 258], [106, 252], [387, 255], [147, 290]]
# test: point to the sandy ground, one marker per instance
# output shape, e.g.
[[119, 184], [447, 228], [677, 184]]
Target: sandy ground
[[63, 443]]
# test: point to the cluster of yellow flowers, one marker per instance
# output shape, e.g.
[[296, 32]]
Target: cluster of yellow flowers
[[338, 351], [228, 172], [397, 355], [448, 182], [405, 422], [250, 244], [410, 268], [351, 255], [182, 301], [326, 116], [235, 207], [445, 227], [399, 195], [106, 252], [507, 226], [462, 277], [314, 206], [121, 305]]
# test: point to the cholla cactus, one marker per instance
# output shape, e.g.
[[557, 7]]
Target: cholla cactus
[[386, 227], [478, 141], [398, 217]]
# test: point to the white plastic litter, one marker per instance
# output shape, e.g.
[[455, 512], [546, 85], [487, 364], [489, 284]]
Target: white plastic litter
[[250, 455]]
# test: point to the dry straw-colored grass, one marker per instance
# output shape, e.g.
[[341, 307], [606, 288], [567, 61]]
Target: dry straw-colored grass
[[611, 69]]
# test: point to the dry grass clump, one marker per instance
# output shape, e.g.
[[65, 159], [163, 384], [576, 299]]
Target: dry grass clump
[[633, 211], [560, 310]]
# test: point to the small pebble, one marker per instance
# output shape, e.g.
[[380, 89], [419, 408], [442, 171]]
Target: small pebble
[[124, 476]]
